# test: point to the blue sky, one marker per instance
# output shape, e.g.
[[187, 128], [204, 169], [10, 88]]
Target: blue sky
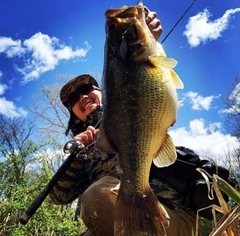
[[40, 39]]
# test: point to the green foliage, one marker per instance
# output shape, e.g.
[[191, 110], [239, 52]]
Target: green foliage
[[48, 220], [205, 227], [24, 172]]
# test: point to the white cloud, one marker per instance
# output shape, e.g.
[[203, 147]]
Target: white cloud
[[1, 73], [198, 102], [206, 139], [199, 29], [3, 87], [8, 109], [39, 54], [10, 47]]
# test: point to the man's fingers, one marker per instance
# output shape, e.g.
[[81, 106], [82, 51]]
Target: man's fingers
[[155, 28], [87, 137], [154, 24], [151, 16]]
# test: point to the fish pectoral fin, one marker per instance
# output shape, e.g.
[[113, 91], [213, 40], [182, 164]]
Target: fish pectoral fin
[[164, 62], [167, 153], [176, 80], [102, 142]]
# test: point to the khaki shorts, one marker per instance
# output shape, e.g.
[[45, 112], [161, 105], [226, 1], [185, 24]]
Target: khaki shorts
[[97, 211]]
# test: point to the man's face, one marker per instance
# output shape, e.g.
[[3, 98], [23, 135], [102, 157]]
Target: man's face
[[87, 104]]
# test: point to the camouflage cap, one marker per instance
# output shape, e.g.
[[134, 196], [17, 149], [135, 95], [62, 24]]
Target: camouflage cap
[[75, 83]]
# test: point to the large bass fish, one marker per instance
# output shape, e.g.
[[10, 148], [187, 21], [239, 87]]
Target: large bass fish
[[140, 104]]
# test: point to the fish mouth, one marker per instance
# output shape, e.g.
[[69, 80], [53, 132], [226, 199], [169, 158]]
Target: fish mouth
[[122, 12], [121, 23], [127, 32]]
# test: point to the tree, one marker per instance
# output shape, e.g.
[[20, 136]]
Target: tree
[[16, 149], [232, 104], [16, 154], [49, 111], [51, 119], [24, 172]]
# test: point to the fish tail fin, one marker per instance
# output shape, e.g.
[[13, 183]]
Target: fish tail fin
[[139, 216], [167, 153]]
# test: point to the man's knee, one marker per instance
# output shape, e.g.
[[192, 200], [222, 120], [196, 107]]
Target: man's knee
[[98, 203], [105, 189]]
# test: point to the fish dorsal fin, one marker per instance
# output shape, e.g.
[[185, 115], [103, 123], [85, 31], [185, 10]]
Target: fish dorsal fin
[[103, 142], [164, 62], [167, 63], [167, 153], [176, 80]]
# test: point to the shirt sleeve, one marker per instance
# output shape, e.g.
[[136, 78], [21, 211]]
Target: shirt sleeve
[[73, 183]]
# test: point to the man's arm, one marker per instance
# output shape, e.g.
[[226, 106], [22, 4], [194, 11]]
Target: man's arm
[[71, 185]]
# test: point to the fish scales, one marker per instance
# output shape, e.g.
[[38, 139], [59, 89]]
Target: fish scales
[[140, 104], [139, 121]]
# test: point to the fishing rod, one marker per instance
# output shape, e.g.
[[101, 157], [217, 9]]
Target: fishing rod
[[178, 21], [76, 149]]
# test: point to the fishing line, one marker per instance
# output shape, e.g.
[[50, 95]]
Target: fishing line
[[178, 21]]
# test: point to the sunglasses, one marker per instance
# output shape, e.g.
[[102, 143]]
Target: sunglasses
[[83, 90]]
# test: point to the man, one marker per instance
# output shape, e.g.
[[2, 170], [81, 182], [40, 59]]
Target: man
[[96, 177]]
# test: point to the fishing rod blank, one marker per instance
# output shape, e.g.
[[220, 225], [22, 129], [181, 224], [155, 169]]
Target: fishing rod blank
[[178, 21]]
